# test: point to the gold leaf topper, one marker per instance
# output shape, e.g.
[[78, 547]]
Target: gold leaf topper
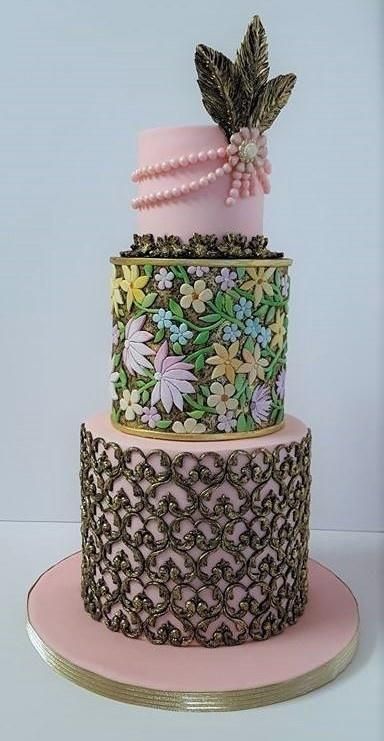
[[238, 93]]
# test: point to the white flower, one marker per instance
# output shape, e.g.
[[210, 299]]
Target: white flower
[[190, 425], [222, 397], [164, 279], [195, 296], [129, 404], [135, 348], [112, 380]]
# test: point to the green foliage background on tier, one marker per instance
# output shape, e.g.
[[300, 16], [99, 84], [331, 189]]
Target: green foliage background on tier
[[199, 348]]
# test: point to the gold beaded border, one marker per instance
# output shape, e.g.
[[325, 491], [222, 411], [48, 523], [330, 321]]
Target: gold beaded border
[[206, 436], [209, 262], [227, 700]]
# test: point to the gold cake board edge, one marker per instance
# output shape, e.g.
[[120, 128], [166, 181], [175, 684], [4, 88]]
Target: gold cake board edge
[[227, 700], [198, 437]]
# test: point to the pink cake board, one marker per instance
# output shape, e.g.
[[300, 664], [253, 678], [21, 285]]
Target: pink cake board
[[305, 656]]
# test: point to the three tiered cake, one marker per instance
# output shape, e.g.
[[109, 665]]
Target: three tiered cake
[[195, 487], [195, 492]]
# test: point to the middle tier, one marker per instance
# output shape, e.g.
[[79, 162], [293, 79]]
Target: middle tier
[[199, 346]]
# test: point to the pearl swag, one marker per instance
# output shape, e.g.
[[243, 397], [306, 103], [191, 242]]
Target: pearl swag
[[245, 159]]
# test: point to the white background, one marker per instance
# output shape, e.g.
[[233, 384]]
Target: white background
[[78, 80]]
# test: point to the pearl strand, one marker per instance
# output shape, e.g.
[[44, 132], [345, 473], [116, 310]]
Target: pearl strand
[[173, 194], [160, 168]]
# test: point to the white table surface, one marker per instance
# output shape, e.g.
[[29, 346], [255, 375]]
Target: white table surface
[[35, 703]]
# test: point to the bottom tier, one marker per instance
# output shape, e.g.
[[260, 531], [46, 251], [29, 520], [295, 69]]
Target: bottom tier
[[207, 546]]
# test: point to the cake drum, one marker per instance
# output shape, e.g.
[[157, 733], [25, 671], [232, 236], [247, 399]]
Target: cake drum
[[305, 656]]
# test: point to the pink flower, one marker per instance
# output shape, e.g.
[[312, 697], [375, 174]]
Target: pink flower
[[172, 378], [135, 350], [150, 416]]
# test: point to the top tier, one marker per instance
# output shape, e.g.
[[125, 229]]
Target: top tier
[[204, 211]]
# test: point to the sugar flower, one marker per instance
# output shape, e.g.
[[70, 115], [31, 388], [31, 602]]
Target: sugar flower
[[280, 383], [115, 334], [198, 270], [243, 308], [231, 332], [150, 417], [225, 361], [116, 297], [129, 404], [164, 279], [226, 279], [278, 331], [264, 336], [261, 403], [195, 296], [226, 422], [252, 327], [180, 334], [222, 397], [173, 379], [163, 318], [114, 377], [132, 284], [136, 351], [254, 365], [190, 426], [259, 283], [284, 285]]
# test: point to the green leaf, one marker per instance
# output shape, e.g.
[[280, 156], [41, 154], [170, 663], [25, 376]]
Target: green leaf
[[219, 301], [123, 377], [159, 335], [121, 329], [199, 363], [242, 425], [177, 348], [228, 305], [240, 273], [249, 344], [196, 414], [163, 424], [250, 422], [201, 338], [114, 415], [144, 396], [276, 277], [240, 382], [270, 315], [116, 359], [148, 300], [208, 318], [205, 390], [175, 309], [148, 270], [274, 416], [261, 311]]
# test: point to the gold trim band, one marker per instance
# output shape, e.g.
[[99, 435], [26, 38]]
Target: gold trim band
[[209, 262], [195, 701], [162, 435]]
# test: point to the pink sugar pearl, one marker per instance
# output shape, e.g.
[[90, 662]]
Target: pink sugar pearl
[[184, 189], [174, 163], [165, 166], [203, 181], [158, 168], [202, 156], [230, 201], [183, 161], [192, 158], [219, 172], [211, 154], [227, 167], [211, 177], [194, 185], [236, 183], [176, 192], [221, 152], [234, 193]]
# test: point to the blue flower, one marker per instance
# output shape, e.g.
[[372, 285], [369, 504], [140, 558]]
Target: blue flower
[[180, 334], [163, 319], [231, 333], [264, 336], [252, 327], [243, 309]]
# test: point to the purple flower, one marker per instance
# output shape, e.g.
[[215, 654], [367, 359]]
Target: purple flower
[[172, 378], [198, 270], [226, 279], [226, 422], [164, 279], [115, 334], [135, 350], [150, 416], [261, 403], [280, 383]]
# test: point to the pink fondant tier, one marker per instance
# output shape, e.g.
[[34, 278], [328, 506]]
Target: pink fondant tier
[[204, 543], [205, 211]]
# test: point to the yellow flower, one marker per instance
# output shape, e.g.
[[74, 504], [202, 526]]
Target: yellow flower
[[132, 284], [278, 330], [195, 296], [254, 365], [259, 283], [225, 361], [116, 296]]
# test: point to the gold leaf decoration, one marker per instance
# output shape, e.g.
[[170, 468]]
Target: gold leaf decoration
[[272, 100], [238, 94], [216, 82], [252, 62]]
